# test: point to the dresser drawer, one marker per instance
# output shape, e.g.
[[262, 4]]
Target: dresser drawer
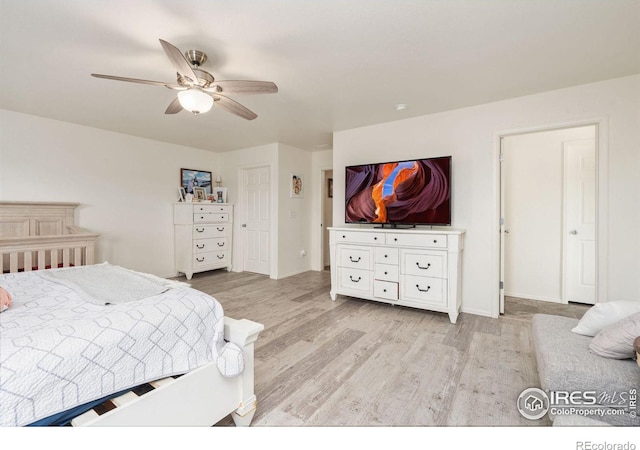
[[385, 289], [386, 255], [356, 257], [210, 218], [210, 258], [386, 272], [211, 209], [211, 231], [426, 264], [417, 240], [358, 237], [355, 281], [209, 245], [424, 289]]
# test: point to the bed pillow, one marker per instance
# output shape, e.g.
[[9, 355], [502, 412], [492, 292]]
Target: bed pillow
[[616, 340], [5, 300], [604, 314]]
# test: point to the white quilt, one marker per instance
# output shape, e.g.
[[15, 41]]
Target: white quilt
[[58, 351]]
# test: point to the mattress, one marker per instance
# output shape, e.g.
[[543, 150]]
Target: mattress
[[59, 349]]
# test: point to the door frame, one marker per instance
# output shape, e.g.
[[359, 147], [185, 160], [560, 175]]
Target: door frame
[[602, 211], [273, 220]]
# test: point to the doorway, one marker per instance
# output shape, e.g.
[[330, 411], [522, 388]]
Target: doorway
[[548, 215], [327, 215]]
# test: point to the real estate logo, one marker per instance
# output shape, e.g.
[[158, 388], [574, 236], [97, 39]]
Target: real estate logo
[[533, 403]]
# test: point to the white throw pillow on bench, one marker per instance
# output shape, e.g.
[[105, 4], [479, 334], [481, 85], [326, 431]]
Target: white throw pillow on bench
[[602, 315]]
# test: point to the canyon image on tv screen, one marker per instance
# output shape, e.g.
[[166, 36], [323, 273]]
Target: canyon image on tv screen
[[416, 192]]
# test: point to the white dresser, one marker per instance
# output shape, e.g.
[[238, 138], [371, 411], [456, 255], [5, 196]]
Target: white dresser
[[202, 236], [417, 268]]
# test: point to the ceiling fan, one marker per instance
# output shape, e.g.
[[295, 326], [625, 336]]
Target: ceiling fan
[[198, 89]]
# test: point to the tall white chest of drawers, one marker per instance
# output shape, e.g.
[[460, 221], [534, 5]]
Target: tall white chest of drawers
[[202, 236], [416, 268]]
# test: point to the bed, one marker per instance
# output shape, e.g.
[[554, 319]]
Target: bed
[[109, 346]]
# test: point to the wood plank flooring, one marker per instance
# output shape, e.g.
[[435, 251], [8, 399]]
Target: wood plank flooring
[[359, 363]]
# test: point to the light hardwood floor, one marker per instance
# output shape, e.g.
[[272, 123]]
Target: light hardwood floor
[[360, 363]]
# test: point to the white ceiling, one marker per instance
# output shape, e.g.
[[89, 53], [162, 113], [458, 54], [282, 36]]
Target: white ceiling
[[338, 64]]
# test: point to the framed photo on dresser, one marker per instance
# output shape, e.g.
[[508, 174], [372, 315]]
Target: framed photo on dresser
[[220, 195], [200, 194]]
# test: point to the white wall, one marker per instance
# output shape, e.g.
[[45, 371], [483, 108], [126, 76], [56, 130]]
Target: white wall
[[125, 185], [470, 135], [290, 221], [533, 166], [294, 213]]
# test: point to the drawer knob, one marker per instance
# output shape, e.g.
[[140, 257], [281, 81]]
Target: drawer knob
[[199, 259], [395, 239], [386, 273], [375, 238], [220, 228], [355, 260], [201, 217], [423, 268], [220, 244], [435, 241], [386, 256], [199, 230], [384, 290], [200, 246], [343, 236], [220, 256], [423, 290], [355, 281]]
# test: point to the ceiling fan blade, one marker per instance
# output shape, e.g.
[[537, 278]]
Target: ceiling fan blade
[[243, 87], [233, 107], [137, 80], [174, 107], [178, 60]]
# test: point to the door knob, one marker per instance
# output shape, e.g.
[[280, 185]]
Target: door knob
[[244, 225], [573, 232], [506, 231]]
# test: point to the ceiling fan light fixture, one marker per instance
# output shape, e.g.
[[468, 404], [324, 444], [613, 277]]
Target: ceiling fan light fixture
[[195, 100]]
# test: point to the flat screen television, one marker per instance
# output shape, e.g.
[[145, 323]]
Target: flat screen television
[[399, 193]]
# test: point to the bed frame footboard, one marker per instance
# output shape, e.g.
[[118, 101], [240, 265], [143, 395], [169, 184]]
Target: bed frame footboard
[[202, 397], [244, 333]]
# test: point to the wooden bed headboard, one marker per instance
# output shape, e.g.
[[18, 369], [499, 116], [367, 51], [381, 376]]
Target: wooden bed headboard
[[42, 235]]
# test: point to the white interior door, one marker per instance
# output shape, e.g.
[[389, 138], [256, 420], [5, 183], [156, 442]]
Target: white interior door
[[256, 221], [580, 221]]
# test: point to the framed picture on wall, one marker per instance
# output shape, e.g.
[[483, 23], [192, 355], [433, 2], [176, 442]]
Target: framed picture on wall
[[297, 187], [190, 179]]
